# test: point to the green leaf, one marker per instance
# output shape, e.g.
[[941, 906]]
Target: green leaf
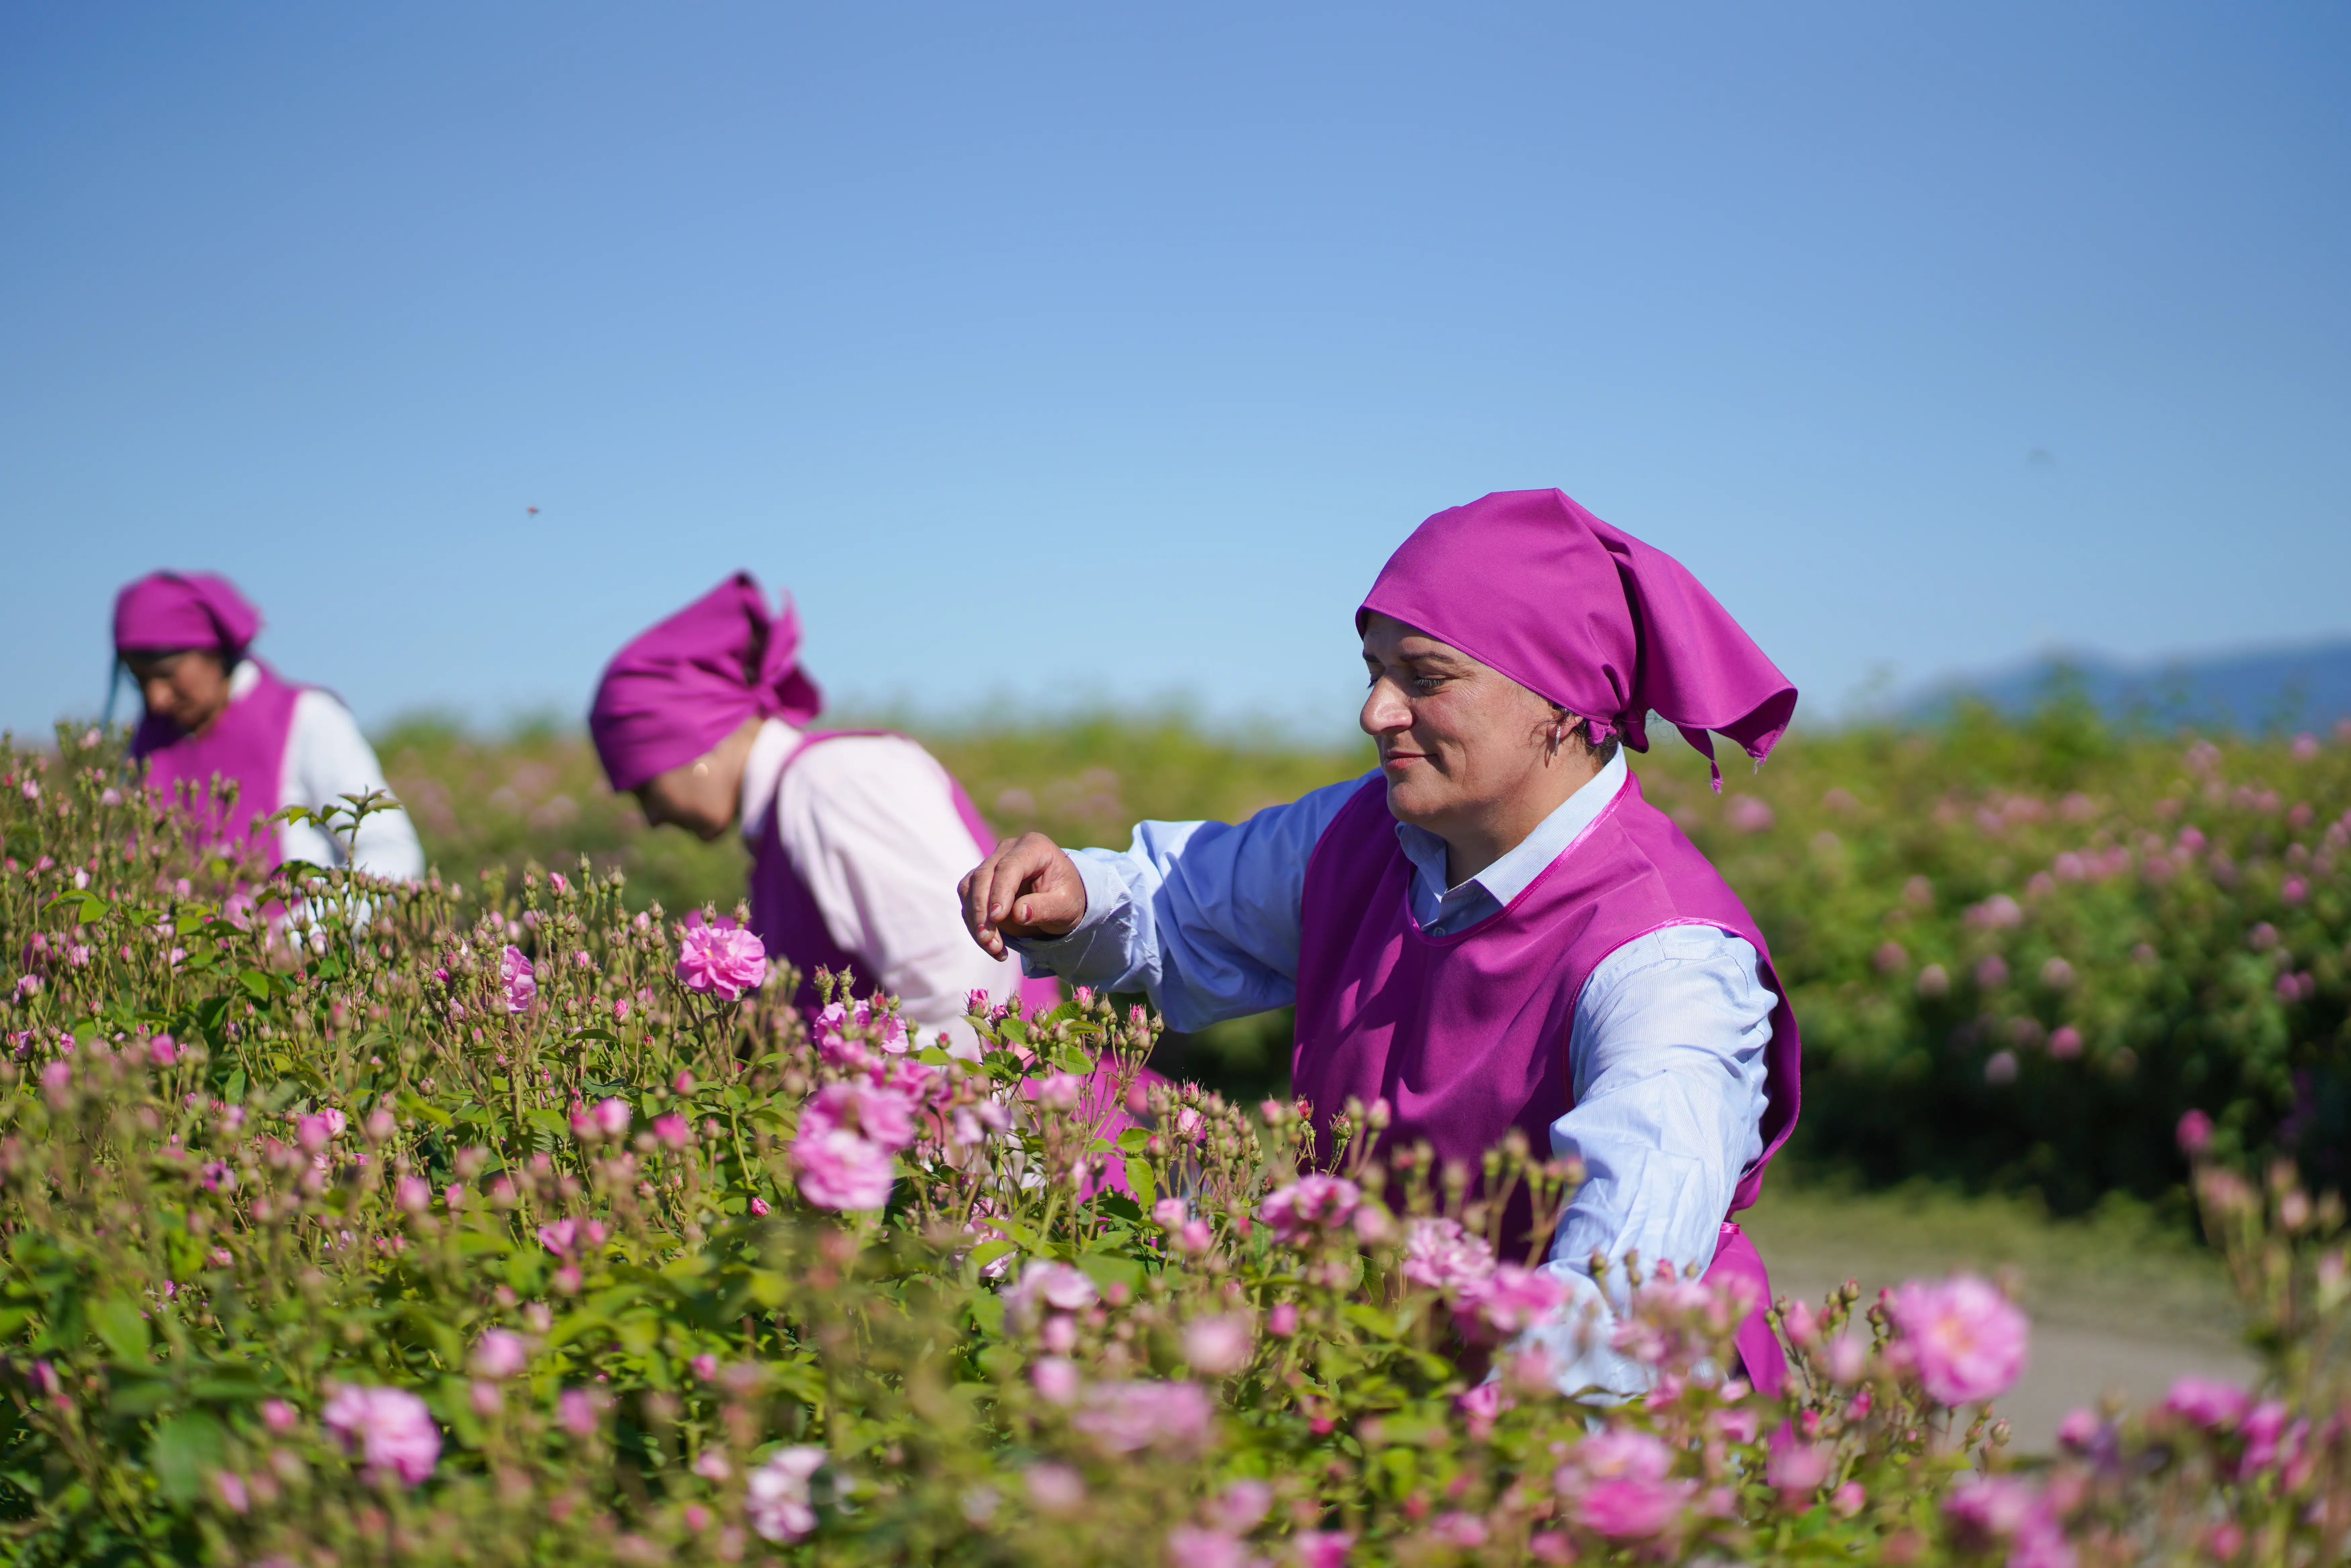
[[1105, 1269], [411, 1105], [122, 1327], [186, 1448], [255, 982], [1139, 1178]]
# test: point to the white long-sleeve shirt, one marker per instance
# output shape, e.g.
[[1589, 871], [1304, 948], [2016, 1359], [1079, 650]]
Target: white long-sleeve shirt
[[869, 823], [326, 758], [1666, 1052]]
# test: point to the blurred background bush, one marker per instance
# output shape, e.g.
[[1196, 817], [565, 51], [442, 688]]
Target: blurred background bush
[[2019, 947]]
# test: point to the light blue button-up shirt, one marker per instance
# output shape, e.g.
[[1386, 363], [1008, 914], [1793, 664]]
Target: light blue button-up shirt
[[1666, 1053]]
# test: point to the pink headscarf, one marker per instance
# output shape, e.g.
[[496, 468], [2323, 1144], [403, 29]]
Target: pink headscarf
[[1588, 616], [170, 609], [684, 685]]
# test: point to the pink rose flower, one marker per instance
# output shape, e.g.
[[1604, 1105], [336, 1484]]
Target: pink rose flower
[[2195, 1133], [1282, 1322], [518, 979], [673, 1130], [1510, 1300], [1218, 1346], [2206, 1402], [1322, 1548], [1189, 1546], [1439, 1254], [1310, 1204], [500, 1353], [1127, 1417], [611, 1117], [162, 1051], [389, 1428], [1046, 1286], [1243, 1505], [776, 1495], [1055, 1378], [884, 1116], [722, 961], [837, 1169], [1968, 1340], [1629, 1508], [558, 1236]]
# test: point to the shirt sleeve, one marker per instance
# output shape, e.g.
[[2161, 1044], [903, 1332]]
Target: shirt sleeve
[[326, 757], [871, 825], [1668, 1057], [1203, 918]]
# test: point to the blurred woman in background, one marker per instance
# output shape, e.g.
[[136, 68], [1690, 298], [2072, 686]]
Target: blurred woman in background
[[232, 742], [1494, 930], [856, 836]]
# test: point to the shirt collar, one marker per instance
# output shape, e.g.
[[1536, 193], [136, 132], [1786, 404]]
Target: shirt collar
[[1509, 876], [762, 769]]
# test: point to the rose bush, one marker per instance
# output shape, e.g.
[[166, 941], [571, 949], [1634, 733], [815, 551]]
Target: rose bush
[[374, 1266]]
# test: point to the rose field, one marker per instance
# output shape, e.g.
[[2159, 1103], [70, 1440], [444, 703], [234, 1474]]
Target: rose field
[[517, 1216]]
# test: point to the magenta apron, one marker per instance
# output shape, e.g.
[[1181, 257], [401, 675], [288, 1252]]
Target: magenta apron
[[1467, 1036], [247, 746]]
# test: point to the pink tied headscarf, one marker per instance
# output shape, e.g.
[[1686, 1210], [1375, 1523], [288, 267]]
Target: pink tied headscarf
[[1585, 615], [171, 610], [688, 682]]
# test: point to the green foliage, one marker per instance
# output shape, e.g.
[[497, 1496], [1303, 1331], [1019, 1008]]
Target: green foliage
[[354, 1222], [1896, 863]]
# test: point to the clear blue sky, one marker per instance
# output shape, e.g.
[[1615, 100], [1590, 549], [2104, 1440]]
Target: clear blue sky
[[1099, 350]]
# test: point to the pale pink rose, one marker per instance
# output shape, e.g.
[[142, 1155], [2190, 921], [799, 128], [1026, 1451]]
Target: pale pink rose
[[1990, 1508], [837, 1169], [2206, 1402], [1439, 1254], [1968, 1340], [1055, 1488], [612, 1116], [1126, 1417], [558, 1236], [1482, 1403], [721, 961], [1282, 1322], [879, 1115], [312, 1133], [1848, 1359], [413, 1193], [1310, 1204], [500, 1353], [776, 1495], [1055, 1378], [673, 1130], [1169, 1213], [390, 1428], [485, 1398], [711, 1466], [1796, 1467], [1189, 1546], [1061, 1090], [1047, 1286], [1848, 1499], [1463, 1530], [1322, 1548], [1218, 1346], [1243, 1505], [1196, 1236], [230, 1488], [833, 1023], [1510, 1300], [705, 1366], [518, 980], [1628, 1509], [758, 1209], [1619, 1453], [162, 1052], [279, 1415], [576, 1410]]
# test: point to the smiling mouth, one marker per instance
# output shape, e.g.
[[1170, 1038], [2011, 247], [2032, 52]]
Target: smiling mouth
[[1397, 758]]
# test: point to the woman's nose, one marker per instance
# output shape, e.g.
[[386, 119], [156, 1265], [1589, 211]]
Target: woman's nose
[[1385, 709]]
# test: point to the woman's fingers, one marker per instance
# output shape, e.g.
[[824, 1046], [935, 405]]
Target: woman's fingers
[[1026, 888]]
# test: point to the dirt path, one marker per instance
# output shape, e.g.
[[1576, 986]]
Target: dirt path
[[2121, 1305]]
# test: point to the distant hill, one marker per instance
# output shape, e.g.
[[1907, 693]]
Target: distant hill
[[2307, 687]]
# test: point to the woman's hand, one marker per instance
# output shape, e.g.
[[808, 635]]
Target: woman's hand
[[1027, 888]]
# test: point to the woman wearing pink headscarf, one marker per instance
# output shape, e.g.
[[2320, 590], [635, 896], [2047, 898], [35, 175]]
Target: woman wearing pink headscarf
[[1494, 929], [856, 836], [217, 715]]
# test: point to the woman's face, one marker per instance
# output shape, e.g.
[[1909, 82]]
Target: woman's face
[[702, 796], [187, 687], [1457, 740]]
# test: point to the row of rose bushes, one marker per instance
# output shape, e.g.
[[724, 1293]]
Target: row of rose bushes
[[350, 1223], [2020, 951]]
